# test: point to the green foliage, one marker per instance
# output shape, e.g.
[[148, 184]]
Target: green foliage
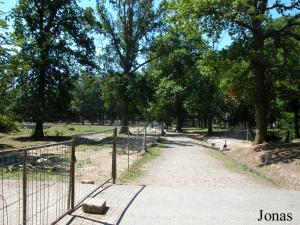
[[87, 102], [178, 50], [53, 37], [129, 27], [285, 127], [137, 90], [7, 124], [251, 25]]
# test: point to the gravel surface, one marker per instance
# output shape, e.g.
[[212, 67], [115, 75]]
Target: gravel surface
[[185, 162], [186, 186]]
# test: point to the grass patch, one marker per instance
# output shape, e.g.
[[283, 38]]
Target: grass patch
[[53, 133], [68, 130], [136, 169], [238, 167]]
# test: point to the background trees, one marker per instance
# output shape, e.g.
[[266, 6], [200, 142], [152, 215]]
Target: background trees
[[128, 27], [154, 61], [87, 102], [248, 21], [176, 51], [6, 76]]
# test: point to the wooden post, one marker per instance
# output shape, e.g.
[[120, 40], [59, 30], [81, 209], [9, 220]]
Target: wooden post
[[145, 139], [72, 175], [25, 188], [114, 157]]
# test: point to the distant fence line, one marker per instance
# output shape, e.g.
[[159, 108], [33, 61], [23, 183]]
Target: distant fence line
[[41, 184]]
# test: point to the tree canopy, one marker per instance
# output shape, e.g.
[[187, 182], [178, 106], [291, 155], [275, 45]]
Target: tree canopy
[[53, 39], [126, 61]]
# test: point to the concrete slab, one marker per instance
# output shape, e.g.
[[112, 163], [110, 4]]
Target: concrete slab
[[163, 205], [117, 197]]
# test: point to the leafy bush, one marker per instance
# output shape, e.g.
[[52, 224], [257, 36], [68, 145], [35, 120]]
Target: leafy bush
[[7, 124], [286, 126]]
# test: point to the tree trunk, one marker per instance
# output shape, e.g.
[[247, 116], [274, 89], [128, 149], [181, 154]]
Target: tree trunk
[[99, 117], [193, 123], [204, 122], [162, 131], [259, 70], [40, 105], [179, 122], [124, 117], [209, 125], [39, 129]]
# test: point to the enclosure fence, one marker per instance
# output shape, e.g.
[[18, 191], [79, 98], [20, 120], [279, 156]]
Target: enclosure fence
[[240, 133], [41, 184], [35, 184]]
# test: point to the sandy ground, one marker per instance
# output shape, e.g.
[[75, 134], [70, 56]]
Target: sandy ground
[[47, 199], [281, 162], [186, 186]]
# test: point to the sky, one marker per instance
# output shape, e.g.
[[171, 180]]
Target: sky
[[225, 38], [9, 4]]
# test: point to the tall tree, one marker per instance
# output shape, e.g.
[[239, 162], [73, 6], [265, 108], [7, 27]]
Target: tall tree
[[128, 26], [4, 58], [53, 39], [287, 86], [178, 50], [247, 20], [7, 67]]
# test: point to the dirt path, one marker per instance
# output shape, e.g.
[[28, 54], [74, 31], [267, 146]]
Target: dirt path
[[186, 186]]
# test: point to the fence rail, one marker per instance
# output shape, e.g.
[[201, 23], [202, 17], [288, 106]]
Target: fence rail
[[40, 184]]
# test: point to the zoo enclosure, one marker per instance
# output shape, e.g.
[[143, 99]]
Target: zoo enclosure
[[41, 184]]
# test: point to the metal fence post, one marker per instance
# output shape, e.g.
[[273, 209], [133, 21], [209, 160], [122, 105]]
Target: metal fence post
[[145, 139], [114, 157], [25, 188], [72, 175]]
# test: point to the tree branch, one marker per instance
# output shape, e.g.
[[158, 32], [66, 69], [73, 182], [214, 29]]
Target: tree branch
[[111, 32], [283, 7], [144, 63], [291, 22]]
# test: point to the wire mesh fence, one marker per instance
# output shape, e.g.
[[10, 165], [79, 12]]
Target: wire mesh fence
[[35, 184], [93, 165], [239, 133], [131, 146], [41, 184]]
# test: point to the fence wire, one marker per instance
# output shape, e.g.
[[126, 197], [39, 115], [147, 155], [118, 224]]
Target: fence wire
[[239, 133], [93, 162], [41, 184], [131, 146], [35, 184]]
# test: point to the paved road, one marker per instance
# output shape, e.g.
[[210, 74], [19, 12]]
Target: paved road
[[186, 186]]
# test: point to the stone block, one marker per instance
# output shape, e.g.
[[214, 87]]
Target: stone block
[[94, 205]]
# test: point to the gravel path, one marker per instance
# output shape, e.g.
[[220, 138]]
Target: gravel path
[[185, 163], [186, 186]]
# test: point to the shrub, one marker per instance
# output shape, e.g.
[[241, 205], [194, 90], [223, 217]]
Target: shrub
[[7, 124]]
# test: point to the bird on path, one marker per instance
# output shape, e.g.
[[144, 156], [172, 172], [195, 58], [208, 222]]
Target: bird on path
[[223, 147]]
